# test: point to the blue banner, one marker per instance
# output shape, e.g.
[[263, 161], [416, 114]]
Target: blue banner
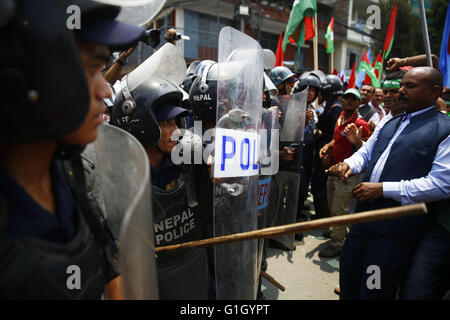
[[444, 58]]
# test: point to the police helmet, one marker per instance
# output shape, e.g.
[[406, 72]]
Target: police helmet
[[135, 111], [333, 86], [45, 95], [203, 94], [280, 74], [307, 79], [202, 65], [192, 67], [187, 82]]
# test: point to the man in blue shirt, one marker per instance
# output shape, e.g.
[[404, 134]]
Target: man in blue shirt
[[407, 163]]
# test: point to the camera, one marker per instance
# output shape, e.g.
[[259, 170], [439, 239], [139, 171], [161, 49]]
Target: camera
[[178, 36], [152, 37]]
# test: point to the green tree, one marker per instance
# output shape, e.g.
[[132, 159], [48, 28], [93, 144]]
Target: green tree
[[436, 20], [408, 40]]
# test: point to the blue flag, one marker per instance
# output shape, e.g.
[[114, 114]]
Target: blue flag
[[444, 58]]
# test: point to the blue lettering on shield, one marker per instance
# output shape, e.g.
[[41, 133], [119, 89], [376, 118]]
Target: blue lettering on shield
[[226, 155]]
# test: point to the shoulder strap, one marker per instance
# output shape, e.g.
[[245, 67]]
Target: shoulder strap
[[79, 187]]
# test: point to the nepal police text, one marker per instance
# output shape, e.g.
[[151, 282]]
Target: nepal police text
[[172, 228]]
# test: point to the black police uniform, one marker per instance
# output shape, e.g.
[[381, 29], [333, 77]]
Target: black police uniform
[[182, 274], [38, 249]]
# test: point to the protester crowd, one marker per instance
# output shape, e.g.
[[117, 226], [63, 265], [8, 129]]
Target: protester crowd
[[354, 149]]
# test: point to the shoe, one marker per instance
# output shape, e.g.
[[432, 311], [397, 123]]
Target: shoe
[[278, 245], [299, 237], [329, 252], [326, 234]]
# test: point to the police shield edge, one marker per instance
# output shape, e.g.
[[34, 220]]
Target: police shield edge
[[269, 165], [292, 123], [166, 63], [239, 102], [141, 14], [122, 188]]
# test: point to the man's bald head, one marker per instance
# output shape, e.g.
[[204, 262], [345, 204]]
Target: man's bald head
[[431, 75], [420, 88]]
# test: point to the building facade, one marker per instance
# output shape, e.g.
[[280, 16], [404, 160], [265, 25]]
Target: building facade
[[202, 21]]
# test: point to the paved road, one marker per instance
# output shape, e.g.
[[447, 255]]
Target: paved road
[[302, 272]]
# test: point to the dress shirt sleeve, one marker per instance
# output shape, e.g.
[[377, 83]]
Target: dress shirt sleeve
[[435, 186], [375, 118], [359, 160]]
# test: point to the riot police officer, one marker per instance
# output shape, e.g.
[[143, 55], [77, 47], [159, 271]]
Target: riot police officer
[[220, 100], [331, 91], [283, 78], [311, 81], [151, 112], [52, 244]]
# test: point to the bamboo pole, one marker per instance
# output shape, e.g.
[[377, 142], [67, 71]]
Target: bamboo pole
[[272, 281], [382, 68], [316, 52], [348, 219], [332, 62]]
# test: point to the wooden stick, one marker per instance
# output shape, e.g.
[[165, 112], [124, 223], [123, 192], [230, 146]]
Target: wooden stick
[[316, 44], [332, 62], [348, 219], [273, 281]]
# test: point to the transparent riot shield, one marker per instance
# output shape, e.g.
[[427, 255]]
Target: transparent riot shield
[[141, 12], [122, 188], [236, 161], [292, 123], [167, 63], [269, 164], [269, 59]]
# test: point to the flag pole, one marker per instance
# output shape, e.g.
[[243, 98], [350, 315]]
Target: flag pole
[[316, 50], [382, 67], [423, 19], [332, 62], [316, 44]]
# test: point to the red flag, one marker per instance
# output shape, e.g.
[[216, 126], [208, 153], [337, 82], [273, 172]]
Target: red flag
[[367, 80], [335, 72], [279, 55], [390, 33], [352, 81], [309, 30], [379, 59], [365, 57]]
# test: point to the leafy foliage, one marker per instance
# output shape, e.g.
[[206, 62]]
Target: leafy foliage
[[436, 20], [408, 39]]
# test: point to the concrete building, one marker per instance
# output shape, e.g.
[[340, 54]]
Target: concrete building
[[202, 21]]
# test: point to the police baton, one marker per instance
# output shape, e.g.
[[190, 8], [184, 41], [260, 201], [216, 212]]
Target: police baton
[[348, 219]]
